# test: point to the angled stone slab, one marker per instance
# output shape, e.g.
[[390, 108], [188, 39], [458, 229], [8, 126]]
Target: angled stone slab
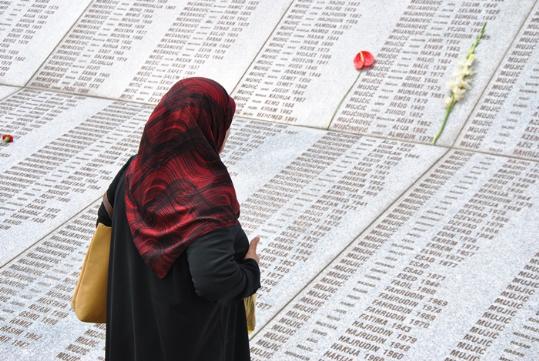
[[306, 66], [309, 209], [36, 317], [68, 147], [137, 51], [506, 119], [402, 95], [507, 325], [36, 118], [29, 32], [452, 265]]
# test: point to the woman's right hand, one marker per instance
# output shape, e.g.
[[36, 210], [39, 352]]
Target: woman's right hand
[[251, 252]]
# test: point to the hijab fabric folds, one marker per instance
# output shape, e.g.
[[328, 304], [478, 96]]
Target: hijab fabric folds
[[177, 188]]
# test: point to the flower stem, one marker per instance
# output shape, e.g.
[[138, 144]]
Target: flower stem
[[447, 111]]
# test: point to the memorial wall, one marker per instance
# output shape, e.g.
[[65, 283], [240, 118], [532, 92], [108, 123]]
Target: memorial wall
[[375, 244]]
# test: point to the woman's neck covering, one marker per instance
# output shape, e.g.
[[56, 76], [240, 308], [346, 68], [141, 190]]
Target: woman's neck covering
[[177, 188]]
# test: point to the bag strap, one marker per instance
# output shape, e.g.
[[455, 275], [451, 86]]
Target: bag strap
[[107, 205]]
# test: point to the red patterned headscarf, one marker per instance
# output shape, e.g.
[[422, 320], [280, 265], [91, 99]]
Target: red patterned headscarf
[[177, 188]]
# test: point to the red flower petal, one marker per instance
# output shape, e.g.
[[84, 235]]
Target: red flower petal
[[359, 61], [368, 58], [7, 138]]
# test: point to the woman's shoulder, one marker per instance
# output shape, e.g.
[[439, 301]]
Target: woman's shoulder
[[113, 186], [233, 235], [229, 231]]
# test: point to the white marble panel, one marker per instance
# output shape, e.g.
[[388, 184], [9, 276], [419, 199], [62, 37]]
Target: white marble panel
[[137, 50], [449, 272], [36, 319], [318, 201], [67, 147], [36, 118], [506, 119], [306, 66], [402, 97], [29, 31]]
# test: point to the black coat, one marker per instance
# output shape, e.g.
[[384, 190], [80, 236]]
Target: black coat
[[195, 313]]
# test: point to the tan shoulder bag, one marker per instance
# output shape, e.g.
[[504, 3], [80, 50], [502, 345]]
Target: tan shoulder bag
[[89, 299]]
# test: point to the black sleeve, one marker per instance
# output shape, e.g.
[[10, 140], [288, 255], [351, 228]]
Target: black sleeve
[[216, 275], [102, 215]]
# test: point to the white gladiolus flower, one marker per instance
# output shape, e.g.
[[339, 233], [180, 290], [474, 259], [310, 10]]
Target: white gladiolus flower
[[460, 82], [464, 84], [458, 94]]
